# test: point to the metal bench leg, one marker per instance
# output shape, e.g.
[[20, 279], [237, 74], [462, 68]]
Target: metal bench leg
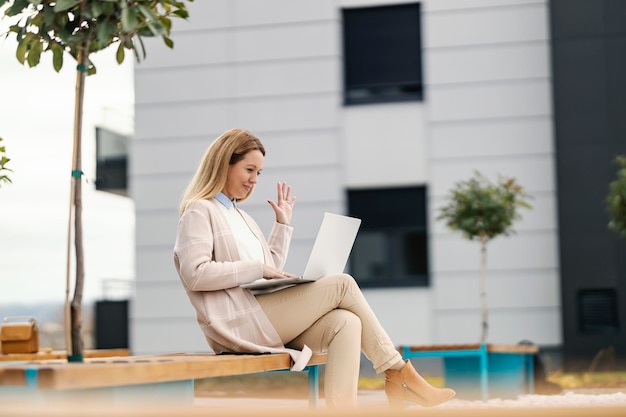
[[314, 387], [530, 374], [484, 375]]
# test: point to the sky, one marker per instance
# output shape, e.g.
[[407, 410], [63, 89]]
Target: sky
[[36, 123]]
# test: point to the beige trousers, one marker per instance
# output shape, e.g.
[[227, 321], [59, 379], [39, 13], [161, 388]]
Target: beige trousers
[[332, 315]]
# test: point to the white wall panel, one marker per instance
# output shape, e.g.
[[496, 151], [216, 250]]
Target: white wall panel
[[539, 325], [488, 63], [491, 138], [185, 119], [273, 12], [385, 145], [211, 82], [168, 156], [159, 193], [535, 174], [293, 150], [490, 100], [515, 289], [269, 78], [157, 228], [162, 300], [197, 83], [529, 250], [156, 264], [288, 113], [156, 336], [190, 48], [302, 40], [404, 313], [204, 15], [485, 26]]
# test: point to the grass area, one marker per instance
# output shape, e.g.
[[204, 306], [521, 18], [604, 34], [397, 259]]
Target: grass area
[[589, 379]]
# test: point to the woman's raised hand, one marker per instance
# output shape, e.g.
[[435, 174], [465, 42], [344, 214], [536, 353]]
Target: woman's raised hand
[[283, 208]]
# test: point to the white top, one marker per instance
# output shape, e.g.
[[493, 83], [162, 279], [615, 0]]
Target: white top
[[248, 245]]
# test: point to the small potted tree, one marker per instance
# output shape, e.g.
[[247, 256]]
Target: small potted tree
[[482, 210], [80, 29], [616, 199]]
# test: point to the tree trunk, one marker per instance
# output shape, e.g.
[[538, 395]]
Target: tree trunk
[[483, 288], [76, 352]]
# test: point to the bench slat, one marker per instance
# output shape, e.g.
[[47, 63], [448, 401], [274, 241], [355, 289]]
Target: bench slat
[[60, 354], [494, 348], [107, 372]]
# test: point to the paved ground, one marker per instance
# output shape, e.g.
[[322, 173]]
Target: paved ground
[[369, 399]]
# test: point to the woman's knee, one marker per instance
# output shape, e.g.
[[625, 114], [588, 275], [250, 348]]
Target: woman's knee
[[344, 280], [344, 320]]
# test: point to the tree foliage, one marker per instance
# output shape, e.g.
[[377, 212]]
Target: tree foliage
[[479, 208], [616, 199], [74, 26], [4, 160]]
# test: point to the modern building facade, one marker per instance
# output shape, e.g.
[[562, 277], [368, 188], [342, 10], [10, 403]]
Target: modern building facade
[[355, 134]]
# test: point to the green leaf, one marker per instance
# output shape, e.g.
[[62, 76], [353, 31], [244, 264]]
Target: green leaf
[[96, 9], [34, 54], [104, 32], [20, 52], [17, 7], [62, 5], [147, 12], [143, 48], [119, 56], [57, 56], [168, 42], [156, 28], [129, 19]]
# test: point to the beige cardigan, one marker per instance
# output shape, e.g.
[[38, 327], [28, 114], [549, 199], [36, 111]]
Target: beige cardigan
[[208, 264]]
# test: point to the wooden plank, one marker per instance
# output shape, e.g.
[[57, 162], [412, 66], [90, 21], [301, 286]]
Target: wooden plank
[[107, 372], [529, 349], [493, 348], [60, 354], [422, 348]]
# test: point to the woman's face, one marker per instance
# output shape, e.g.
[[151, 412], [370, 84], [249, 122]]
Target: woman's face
[[242, 176]]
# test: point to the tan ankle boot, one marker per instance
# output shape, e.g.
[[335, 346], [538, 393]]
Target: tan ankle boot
[[408, 385]]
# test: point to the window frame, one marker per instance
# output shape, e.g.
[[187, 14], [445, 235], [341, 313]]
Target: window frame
[[355, 62], [394, 263]]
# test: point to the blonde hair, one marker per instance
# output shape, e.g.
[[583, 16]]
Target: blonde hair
[[210, 177]]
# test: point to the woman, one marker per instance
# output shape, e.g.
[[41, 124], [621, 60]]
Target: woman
[[219, 247]]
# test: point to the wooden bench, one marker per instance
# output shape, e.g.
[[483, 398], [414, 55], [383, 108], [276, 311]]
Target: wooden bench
[[505, 370], [167, 378], [61, 354]]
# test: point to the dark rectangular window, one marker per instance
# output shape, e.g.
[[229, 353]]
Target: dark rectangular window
[[382, 54], [111, 161], [391, 248], [598, 310]]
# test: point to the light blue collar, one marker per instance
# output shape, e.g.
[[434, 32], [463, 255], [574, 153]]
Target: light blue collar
[[221, 197]]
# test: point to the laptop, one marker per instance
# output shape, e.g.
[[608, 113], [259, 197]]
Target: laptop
[[329, 255]]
